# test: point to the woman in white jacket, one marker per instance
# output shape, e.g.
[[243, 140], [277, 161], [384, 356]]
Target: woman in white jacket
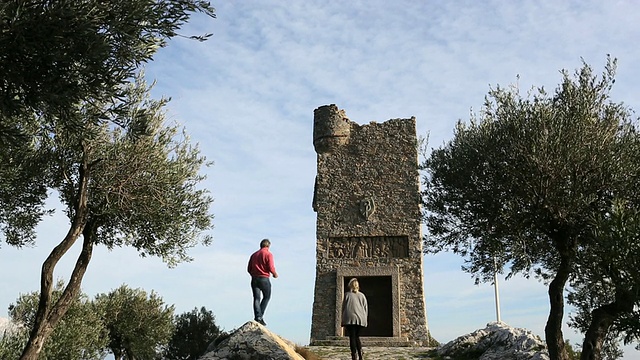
[[354, 316]]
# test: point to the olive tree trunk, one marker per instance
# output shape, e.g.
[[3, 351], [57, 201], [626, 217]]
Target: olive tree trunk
[[48, 315], [553, 329], [601, 320]]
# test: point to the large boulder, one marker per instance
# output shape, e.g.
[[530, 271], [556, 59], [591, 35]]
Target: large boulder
[[253, 341], [497, 341]]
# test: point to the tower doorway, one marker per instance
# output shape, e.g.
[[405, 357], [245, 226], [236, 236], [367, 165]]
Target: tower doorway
[[378, 291]]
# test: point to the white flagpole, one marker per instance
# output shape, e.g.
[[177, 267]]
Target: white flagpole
[[497, 292]]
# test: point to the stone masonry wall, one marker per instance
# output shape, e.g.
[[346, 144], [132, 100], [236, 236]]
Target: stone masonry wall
[[368, 215]]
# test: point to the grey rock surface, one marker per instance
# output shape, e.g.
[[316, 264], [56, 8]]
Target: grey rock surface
[[497, 341], [253, 341]]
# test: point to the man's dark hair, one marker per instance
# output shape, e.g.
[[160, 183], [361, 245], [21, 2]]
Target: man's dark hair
[[265, 243]]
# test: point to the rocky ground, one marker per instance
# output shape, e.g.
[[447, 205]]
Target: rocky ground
[[496, 341], [374, 353]]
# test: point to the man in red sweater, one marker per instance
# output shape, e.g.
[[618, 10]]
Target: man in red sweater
[[260, 267]]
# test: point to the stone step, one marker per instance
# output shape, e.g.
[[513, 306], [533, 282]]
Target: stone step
[[366, 341]]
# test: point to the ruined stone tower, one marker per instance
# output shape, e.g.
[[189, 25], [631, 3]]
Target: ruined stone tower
[[367, 200]]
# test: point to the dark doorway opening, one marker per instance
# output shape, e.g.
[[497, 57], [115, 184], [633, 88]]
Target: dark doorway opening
[[377, 289]]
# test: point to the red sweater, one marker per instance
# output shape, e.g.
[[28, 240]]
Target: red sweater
[[261, 263]]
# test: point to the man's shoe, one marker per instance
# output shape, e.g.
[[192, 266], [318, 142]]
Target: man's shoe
[[261, 322]]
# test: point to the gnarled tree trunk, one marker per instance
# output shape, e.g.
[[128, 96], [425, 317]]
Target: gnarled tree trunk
[[553, 329], [601, 320], [48, 315]]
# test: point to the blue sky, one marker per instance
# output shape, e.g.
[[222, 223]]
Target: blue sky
[[247, 97]]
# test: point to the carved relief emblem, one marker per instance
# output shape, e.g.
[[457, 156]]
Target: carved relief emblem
[[363, 247], [367, 207]]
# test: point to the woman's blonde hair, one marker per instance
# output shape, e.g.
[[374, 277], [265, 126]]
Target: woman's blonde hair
[[354, 286]]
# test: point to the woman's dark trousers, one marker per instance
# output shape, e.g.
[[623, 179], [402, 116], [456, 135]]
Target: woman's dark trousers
[[354, 340]]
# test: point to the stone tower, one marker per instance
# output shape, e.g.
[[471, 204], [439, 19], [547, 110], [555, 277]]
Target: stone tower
[[367, 200]]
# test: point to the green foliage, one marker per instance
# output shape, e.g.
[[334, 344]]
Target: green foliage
[[65, 76], [138, 324], [573, 354], [144, 190], [606, 284], [194, 331], [12, 343], [79, 335], [527, 171], [521, 183], [128, 322], [23, 186], [143, 180], [59, 53]]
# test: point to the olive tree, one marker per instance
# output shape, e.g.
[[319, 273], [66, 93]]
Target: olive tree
[[80, 334], [194, 331], [519, 185], [138, 324], [133, 186], [80, 124], [58, 53], [605, 287]]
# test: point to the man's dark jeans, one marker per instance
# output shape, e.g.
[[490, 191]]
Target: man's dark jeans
[[260, 285]]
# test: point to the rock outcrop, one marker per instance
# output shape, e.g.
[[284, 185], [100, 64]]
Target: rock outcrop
[[253, 341], [498, 341]]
